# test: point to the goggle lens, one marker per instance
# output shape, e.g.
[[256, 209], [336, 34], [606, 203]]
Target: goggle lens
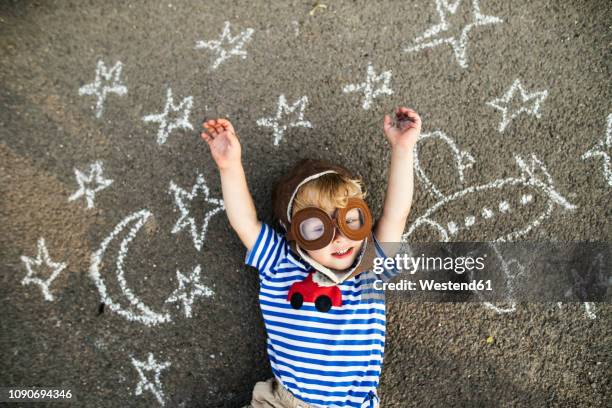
[[354, 219], [312, 228]]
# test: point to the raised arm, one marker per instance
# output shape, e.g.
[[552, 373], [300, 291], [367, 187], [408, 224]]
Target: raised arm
[[402, 136], [226, 151]]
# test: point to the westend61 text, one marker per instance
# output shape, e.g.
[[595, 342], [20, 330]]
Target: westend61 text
[[432, 285]]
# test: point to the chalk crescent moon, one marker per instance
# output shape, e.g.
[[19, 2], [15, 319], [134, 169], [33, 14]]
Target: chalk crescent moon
[[138, 311]]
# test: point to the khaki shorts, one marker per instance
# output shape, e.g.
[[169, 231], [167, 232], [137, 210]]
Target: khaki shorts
[[271, 394]]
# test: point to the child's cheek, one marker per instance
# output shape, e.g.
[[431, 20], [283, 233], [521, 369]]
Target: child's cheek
[[320, 254]]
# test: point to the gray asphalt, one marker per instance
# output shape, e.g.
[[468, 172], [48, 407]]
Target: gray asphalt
[[436, 354]]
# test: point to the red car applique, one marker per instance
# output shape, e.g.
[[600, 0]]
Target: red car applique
[[324, 297]]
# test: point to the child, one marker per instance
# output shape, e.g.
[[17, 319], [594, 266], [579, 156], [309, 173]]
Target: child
[[325, 323]]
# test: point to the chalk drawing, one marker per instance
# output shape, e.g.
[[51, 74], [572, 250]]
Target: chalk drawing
[[463, 160], [438, 33], [533, 177], [512, 270], [589, 309], [369, 87], [34, 267], [136, 311], [597, 274], [316, 7], [165, 125], [107, 81], [188, 288], [283, 110], [603, 149], [183, 197], [543, 185], [530, 103], [150, 384], [296, 28], [90, 184], [226, 39]]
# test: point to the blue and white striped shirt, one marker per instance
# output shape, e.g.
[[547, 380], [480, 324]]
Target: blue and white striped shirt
[[326, 359]]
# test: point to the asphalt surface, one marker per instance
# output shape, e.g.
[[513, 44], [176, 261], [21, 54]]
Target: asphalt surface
[[436, 354]]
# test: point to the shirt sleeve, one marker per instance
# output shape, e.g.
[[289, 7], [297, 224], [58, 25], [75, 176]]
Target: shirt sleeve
[[270, 249], [388, 273]]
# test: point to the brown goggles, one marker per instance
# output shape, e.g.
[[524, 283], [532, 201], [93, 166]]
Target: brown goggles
[[314, 229]]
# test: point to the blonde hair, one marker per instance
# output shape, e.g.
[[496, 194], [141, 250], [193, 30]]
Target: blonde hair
[[330, 191]]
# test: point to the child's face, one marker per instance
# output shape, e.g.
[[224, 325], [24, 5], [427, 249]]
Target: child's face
[[340, 253]]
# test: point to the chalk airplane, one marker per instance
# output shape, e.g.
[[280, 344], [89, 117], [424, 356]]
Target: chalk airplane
[[533, 185]]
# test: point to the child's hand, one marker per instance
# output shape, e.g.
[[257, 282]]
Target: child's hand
[[222, 141], [405, 132]]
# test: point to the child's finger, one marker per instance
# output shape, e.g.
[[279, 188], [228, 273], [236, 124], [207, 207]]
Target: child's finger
[[413, 116], [216, 125], [409, 112], [219, 129], [209, 125], [229, 128], [227, 125], [213, 131], [206, 137], [387, 124], [224, 122]]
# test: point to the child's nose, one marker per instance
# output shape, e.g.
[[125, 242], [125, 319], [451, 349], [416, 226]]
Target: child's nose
[[338, 235]]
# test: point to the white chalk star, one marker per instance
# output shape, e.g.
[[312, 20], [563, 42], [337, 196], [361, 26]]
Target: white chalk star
[[504, 103], [457, 42], [284, 109], [181, 196], [41, 257], [95, 175], [144, 383], [188, 288], [226, 38], [106, 82], [368, 87], [603, 148], [165, 125]]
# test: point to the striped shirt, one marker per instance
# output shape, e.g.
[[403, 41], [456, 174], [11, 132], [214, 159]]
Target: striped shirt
[[326, 359]]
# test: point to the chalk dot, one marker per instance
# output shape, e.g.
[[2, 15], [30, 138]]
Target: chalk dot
[[487, 213], [452, 227], [526, 199], [470, 220], [504, 206]]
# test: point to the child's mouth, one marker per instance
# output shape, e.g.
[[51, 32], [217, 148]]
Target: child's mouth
[[343, 254]]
